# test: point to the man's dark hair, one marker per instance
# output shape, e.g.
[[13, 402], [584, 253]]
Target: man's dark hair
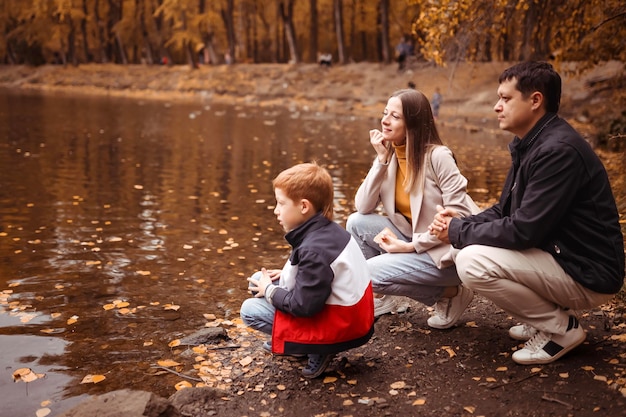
[[534, 76]]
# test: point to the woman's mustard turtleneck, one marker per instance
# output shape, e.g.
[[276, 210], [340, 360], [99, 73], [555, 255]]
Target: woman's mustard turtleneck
[[403, 205]]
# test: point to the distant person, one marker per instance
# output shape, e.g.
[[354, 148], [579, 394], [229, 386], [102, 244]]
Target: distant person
[[325, 60], [436, 102], [412, 173], [404, 49], [321, 302], [552, 244]]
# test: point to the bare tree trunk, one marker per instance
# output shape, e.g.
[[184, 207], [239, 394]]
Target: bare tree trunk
[[338, 15], [71, 43], [229, 25], [313, 32], [529, 28], [100, 33], [384, 28], [83, 30], [290, 34]]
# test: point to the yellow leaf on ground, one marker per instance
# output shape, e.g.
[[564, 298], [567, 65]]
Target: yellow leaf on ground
[[501, 369], [108, 306], [171, 307], [588, 368], [88, 379], [174, 343], [564, 375], [281, 387], [168, 362], [19, 373], [143, 273], [72, 320], [246, 361], [470, 409], [182, 385], [619, 337], [330, 379], [600, 378], [450, 351], [419, 401], [97, 378], [535, 370], [398, 385]]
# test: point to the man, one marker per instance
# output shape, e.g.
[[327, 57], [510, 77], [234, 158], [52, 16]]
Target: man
[[553, 243]]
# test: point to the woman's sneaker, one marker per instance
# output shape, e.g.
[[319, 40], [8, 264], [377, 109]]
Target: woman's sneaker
[[449, 310], [522, 332], [389, 304], [547, 347], [316, 365]]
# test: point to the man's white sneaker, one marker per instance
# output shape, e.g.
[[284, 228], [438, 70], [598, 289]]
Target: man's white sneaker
[[389, 304], [522, 332], [449, 310], [546, 347]]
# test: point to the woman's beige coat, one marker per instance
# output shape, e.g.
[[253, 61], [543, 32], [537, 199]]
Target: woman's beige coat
[[380, 184]]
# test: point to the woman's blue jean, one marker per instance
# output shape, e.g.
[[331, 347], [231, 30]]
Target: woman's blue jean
[[414, 275]]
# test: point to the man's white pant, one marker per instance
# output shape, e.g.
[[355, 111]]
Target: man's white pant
[[528, 284]]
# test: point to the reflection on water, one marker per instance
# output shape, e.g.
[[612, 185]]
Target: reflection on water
[[108, 200]]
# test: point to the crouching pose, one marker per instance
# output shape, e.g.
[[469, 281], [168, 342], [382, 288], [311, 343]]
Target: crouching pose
[[553, 242], [321, 302]]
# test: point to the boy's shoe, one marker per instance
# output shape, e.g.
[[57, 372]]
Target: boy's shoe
[[317, 365], [546, 347], [449, 310], [522, 332], [267, 346], [389, 304]]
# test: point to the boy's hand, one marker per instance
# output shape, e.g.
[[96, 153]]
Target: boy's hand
[[259, 286]]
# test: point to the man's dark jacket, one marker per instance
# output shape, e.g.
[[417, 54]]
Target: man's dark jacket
[[557, 198]]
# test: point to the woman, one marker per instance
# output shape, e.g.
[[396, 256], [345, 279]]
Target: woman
[[412, 173]]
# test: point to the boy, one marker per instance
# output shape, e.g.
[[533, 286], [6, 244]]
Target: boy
[[321, 303]]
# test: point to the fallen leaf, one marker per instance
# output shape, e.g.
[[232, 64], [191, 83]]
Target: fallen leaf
[[419, 401], [588, 368], [72, 320], [330, 379], [619, 337], [501, 369], [171, 307], [182, 385], [564, 375], [168, 362], [246, 361], [600, 378], [143, 272], [398, 385], [470, 409], [43, 412]]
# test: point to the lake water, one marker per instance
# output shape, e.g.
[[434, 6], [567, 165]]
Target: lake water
[[156, 204]]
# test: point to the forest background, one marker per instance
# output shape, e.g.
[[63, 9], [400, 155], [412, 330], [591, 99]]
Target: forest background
[[279, 31]]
